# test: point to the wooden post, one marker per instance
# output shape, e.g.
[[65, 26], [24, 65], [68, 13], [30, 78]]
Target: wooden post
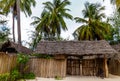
[[81, 67], [105, 67]]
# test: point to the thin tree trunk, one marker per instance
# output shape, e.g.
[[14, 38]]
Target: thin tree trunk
[[13, 30], [18, 22]]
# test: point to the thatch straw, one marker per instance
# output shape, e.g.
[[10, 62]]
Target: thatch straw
[[75, 47]]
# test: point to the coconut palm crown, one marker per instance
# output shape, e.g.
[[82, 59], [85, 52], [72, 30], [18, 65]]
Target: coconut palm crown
[[51, 22], [15, 6], [93, 28]]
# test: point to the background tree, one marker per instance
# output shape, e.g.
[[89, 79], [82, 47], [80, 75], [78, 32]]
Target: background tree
[[11, 6], [51, 22], [115, 21], [93, 28], [4, 31]]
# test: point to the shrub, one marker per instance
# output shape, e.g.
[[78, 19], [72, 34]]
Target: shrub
[[14, 75], [29, 76], [22, 58], [4, 77]]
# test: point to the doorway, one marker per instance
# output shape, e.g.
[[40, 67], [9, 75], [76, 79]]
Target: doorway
[[83, 67]]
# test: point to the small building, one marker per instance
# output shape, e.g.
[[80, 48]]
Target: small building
[[115, 61], [8, 51], [83, 58]]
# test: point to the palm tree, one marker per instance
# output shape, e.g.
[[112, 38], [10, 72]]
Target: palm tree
[[52, 19], [93, 27], [18, 21], [13, 6]]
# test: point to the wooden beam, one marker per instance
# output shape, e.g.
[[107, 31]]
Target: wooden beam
[[60, 57], [105, 67]]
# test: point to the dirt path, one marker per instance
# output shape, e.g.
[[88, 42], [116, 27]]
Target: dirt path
[[79, 78]]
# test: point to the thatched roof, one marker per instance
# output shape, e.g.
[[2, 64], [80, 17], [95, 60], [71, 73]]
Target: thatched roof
[[116, 47], [13, 47], [75, 47]]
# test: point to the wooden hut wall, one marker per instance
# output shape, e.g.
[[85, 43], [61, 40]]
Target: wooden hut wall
[[114, 67], [47, 67], [7, 62], [85, 67], [89, 67]]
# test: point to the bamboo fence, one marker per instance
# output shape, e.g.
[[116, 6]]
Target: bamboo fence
[[47, 67], [39, 66], [7, 62]]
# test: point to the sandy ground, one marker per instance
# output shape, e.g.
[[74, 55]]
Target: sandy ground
[[80, 78]]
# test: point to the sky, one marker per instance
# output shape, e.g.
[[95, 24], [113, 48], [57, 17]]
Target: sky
[[76, 7]]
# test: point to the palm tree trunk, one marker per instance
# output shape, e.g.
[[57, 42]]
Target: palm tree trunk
[[13, 30], [18, 22]]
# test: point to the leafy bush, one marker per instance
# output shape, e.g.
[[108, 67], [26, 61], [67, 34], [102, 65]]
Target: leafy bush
[[29, 76], [22, 58], [15, 75], [18, 72], [4, 77]]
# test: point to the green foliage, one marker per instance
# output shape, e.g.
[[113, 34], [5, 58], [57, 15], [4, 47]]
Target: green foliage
[[4, 34], [22, 58], [93, 27], [35, 40], [115, 33], [51, 22], [58, 78], [29, 76], [25, 6], [45, 56], [15, 75], [4, 77], [18, 73]]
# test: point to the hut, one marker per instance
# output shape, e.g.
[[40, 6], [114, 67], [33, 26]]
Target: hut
[[84, 58], [115, 61], [8, 51]]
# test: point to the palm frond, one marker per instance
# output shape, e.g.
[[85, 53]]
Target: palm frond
[[80, 20], [48, 5]]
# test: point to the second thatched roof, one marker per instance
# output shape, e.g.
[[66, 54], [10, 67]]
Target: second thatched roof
[[12, 47], [116, 47], [75, 47]]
